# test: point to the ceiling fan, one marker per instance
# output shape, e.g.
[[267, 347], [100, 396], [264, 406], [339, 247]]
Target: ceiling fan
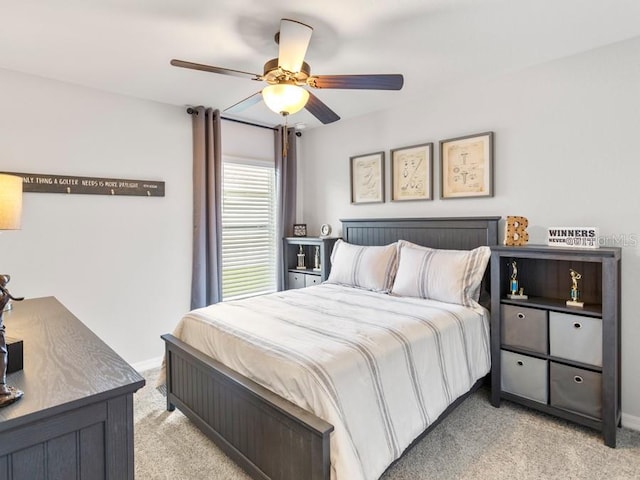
[[289, 73]]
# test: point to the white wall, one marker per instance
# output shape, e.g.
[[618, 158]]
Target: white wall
[[235, 144], [566, 153], [121, 264]]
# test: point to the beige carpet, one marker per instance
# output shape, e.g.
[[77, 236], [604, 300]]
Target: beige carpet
[[475, 442]]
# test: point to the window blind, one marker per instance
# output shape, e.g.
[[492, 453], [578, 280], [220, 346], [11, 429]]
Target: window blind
[[248, 230]]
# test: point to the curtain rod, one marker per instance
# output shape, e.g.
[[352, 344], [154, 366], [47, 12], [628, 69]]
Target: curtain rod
[[191, 111], [248, 123]]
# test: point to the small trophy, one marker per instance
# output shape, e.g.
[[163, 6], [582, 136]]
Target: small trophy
[[316, 260], [513, 284], [8, 394], [301, 265], [575, 291]]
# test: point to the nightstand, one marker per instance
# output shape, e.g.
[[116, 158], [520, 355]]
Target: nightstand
[[298, 277]]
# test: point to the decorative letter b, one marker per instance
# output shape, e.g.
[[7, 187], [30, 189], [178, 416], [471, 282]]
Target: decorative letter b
[[515, 231]]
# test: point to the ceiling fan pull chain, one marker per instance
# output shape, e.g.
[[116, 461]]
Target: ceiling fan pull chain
[[284, 137]]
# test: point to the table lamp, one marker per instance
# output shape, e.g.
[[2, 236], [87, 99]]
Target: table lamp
[[10, 213]]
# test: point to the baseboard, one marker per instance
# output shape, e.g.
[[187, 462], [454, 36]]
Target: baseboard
[[147, 364], [631, 421]]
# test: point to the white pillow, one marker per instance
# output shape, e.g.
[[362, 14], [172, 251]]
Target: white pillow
[[451, 276], [371, 268]]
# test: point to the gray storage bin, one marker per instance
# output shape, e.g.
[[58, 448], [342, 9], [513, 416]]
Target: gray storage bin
[[524, 327], [524, 376], [296, 280], [312, 280], [576, 337], [576, 390]]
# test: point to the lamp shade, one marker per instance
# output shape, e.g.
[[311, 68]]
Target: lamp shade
[[284, 98], [10, 202]]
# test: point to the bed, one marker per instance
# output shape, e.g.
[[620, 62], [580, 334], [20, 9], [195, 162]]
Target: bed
[[272, 437]]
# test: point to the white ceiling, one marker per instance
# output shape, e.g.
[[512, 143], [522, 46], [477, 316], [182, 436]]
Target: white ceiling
[[124, 46]]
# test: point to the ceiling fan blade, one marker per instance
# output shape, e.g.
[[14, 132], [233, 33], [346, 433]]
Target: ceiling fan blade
[[212, 69], [293, 39], [364, 82], [244, 104], [320, 110]]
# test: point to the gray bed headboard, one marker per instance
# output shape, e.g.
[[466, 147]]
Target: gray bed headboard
[[462, 233]]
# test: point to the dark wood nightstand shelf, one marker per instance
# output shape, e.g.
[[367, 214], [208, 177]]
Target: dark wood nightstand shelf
[[298, 278], [556, 305], [562, 360], [76, 417]]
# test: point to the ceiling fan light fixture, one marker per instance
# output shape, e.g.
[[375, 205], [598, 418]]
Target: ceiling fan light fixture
[[288, 76], [284, 98]]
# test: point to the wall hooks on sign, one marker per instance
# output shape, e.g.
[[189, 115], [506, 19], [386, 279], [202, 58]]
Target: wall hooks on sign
[[69, 184]]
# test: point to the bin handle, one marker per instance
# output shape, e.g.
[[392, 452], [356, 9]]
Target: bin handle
[[521, 315], [577, 379], [577, 325]]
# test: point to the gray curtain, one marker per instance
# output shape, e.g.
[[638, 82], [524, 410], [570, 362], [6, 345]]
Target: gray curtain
[[285, 192], [206, 276]]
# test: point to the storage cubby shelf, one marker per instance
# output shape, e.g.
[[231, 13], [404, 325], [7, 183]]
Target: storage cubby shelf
[[298, 277], [306, 272], [558, 359], [564, 361], [553, 304]]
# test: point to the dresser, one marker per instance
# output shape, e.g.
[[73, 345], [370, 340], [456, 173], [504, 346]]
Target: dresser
[[75, 420], [563, 360]]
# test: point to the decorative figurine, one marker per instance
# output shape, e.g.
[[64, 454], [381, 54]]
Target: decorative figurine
[[8, 395], [513, 284], [301, 265], [575, 291], [514, 277], [316, 260]]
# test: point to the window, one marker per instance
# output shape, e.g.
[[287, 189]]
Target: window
[[248, 228]]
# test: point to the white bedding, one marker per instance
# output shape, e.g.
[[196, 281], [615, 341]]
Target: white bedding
[[379, 368]]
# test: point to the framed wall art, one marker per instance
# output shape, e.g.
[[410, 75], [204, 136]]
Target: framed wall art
[[412, 173], [367, 178], [466, 166], [300, 230]]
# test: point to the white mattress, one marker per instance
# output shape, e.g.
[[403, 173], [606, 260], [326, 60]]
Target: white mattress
[[379, 368]]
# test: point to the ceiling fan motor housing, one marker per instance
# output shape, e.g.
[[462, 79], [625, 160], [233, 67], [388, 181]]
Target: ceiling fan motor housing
[[273, 74]]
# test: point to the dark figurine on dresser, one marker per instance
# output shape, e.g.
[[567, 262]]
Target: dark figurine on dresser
[[8, 395]]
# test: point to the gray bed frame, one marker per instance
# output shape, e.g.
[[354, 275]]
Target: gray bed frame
[[266, 435]]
